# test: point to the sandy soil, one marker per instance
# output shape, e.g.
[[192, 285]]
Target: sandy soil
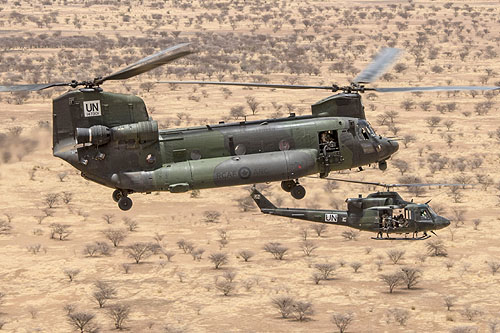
[[181, 295]]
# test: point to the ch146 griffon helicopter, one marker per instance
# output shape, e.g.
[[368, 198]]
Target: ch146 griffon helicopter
[[381, 212], [111, 139]]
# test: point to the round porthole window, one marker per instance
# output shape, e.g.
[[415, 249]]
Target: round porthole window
[[284, 145], [150, 159], [195, 155], [240, 149]]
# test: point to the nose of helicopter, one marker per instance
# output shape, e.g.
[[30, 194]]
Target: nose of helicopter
[[442, 222], [388, 147]]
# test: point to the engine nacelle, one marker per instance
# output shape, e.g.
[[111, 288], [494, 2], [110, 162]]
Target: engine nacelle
[[141, 132], [97, 135]]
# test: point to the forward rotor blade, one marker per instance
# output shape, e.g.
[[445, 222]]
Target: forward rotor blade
[[149, 63], [378, 66], [394, 185], [436, 88], [243, 84], [354, 181], [31, 87]]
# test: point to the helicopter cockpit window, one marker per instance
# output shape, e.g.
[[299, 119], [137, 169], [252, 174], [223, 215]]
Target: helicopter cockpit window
[[424, 214], [365, 130], [364, 133], [370, 130]]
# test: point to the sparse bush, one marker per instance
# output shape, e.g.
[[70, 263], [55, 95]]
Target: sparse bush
[[108, 218], [342, 320], [395, 255], [284, 304], [218, 259], [197, 253], [140, 250], [470, 313], [51, 199], [90, 250], [449, 302], [212, 216], [302, 310], [325, 269], [316, 277], [131, 224], [494, 266], [104, 292], [276, 249], [5, 227], [67, 197], [169, 255], [308, 247], [350, 234], [71, 273], [246, 204], [116, 236], [319, 228], [401, 316], [126, 268], [118, 313], [185, 246], [34, 248], [392, 280], [356, 266], [225, 286], [61, 230], [246, 254], [464, 329], [411, 276], [433, 122], [401, 165], [82, 321], [436, 248], [33, 312]]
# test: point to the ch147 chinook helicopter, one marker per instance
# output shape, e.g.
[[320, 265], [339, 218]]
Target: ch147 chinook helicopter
[[112, 140], [381, 212]]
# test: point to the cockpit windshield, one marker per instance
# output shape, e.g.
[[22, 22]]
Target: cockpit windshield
[[432, 211]]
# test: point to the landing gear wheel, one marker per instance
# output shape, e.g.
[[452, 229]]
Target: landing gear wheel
[[125, 203], [117, 194], [287, 185], [298, 192]]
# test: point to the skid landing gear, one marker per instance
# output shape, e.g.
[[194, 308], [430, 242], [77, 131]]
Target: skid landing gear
[[297, 191], [124, 202]]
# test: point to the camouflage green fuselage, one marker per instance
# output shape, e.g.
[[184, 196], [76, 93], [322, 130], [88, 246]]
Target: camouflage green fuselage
[[121, 147]]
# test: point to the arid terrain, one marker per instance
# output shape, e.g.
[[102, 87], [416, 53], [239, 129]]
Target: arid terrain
[[444, 137]]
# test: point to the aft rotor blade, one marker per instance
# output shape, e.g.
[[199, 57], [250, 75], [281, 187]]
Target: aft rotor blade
[[243, 84], [378, 66], [149, 63], [31, 87], [436, 88]]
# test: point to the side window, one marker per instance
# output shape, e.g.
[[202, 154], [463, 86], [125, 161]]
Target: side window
[[328, 141], [424, 214], [364, 133]]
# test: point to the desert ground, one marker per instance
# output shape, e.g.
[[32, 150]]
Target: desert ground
[[444, 137]]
